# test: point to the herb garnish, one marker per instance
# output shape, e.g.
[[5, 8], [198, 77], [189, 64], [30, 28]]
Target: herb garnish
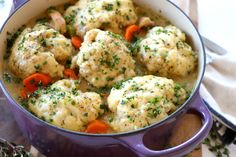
[[215, 144], [11, 40], [9, 78], [108, 7], [118, 85], [104, 107], [8, 149]]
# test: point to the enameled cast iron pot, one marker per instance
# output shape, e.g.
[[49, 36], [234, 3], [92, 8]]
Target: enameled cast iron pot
[[57, 142]]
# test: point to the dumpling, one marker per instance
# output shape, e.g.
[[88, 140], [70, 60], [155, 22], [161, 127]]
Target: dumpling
[[165, 51], [110, 15], [63, 105], [104, 58], [40, 49], [142, 101]]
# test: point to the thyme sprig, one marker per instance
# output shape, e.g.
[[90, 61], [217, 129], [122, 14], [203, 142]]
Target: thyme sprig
[[8, 149], [215, 143]]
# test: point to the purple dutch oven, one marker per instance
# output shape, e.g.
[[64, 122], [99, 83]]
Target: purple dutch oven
[[57, 142]]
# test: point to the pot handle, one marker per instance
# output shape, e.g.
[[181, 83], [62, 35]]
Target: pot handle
[[197, 106]]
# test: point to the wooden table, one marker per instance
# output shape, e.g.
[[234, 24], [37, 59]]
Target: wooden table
[[10, 131]]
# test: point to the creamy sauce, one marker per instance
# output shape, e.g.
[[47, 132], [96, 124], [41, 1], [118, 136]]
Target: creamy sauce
[[188, 82]]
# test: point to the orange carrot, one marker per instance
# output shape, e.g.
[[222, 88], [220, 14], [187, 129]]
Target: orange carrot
[[23, 93], [32, 82], [70, 73], [130, 30], [76, 42], [96, 127]]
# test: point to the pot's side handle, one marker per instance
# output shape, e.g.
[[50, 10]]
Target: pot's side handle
[[198, 106], [18, 3]]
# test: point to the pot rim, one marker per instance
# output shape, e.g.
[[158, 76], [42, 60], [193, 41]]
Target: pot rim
[[141, 130]]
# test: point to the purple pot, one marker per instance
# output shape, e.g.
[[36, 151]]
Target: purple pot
[[150, 141]]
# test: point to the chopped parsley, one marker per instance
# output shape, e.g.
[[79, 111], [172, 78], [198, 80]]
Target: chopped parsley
[[118, 3], [13, 37], [24, 103], [110, 63], [45, 63], [70, 19], [39, 84], [180, 45], [70, 30], [146, 48], [109, 78], [130, 118], [82, 23], [159, 31], [117, 36], [43, 42], [110, 119], [154, 112], [7, 77], [68, 63], [108, 7], [177, 87], [177, 90], [105, 25], [115, 60], [104, 107], [135, 87], [123, 102], [11, 40], [135, 47], [51, 8], [37, 67], [118, 85], [154, 100], [32, 81], [102, 90], [21, 45]]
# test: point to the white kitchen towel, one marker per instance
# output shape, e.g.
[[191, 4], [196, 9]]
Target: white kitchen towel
[[219, 90], [219, 84]]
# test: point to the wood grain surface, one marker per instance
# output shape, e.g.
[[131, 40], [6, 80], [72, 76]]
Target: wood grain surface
[[8, 127], [10, 131]]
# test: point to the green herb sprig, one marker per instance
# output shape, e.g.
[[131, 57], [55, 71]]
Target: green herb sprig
[[8, 149], [215, 145]]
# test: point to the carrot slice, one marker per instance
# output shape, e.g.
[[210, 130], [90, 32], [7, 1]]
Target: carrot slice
[[130, 30], [23, 93], [96, 127], [32, 82], [76, 42], [70, 73]]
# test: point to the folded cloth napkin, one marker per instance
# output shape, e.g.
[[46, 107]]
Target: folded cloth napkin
[[219, 84], [219, 90]]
